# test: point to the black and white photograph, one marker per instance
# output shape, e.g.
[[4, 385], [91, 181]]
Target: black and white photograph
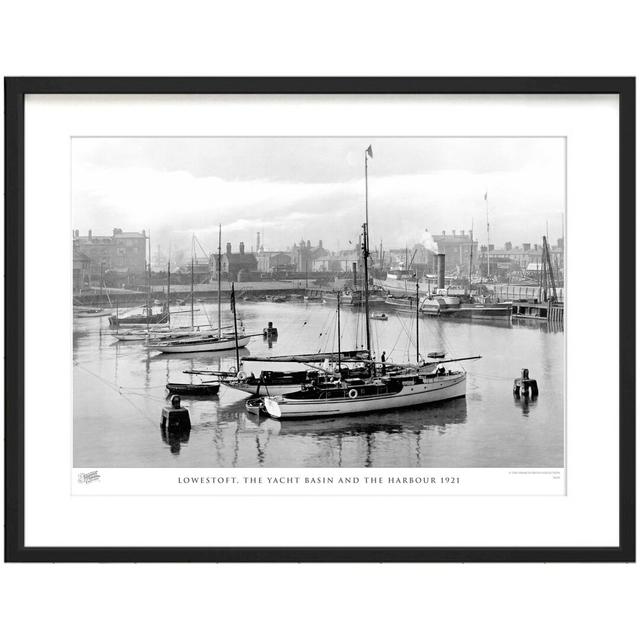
[[319, 302]]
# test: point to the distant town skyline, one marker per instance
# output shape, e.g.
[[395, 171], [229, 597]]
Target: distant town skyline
[[313, 188]]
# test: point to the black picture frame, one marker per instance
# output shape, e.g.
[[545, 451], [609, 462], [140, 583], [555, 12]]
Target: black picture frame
[[15, 91]]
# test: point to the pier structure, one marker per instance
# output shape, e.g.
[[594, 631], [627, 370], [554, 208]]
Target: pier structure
[[548, 311]]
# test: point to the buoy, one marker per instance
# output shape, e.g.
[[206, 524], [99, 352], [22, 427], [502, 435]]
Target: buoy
[[353, 393], [175, 417]]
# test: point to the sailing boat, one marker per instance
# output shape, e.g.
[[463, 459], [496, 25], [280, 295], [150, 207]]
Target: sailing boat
[[93, 312], [147, 317], [426, 383], [208, 342], [395, 388]]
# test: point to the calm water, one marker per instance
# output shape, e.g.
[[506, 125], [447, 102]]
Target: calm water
[[119, 392]]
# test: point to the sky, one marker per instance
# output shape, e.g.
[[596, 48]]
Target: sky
[[314, 188]]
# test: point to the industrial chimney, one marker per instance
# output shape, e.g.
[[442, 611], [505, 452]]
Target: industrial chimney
[[228, 248], [440, 257], [242, 248], [354, 269], [258, 242]]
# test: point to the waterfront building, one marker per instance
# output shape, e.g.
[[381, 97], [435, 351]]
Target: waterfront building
[[340, 262], [233, 266], [272, 261], [526, 259], [303, 255], [81, 267], [456, 247], [123, 251]]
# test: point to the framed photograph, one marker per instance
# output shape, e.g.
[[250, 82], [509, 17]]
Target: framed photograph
[[320, 319]]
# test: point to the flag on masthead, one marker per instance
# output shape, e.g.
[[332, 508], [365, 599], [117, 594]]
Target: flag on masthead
[[369, 151]]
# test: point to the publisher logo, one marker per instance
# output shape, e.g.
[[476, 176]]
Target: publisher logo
[[90, 476]]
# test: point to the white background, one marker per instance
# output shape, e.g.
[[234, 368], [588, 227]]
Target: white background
[[488, 38], [587, 516]]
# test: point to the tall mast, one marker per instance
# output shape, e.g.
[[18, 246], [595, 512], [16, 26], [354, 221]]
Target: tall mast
[[235, 326], [219, 277], [470, 256], [192, 253], [486, 203], [417, 322], [149, 282], [339, 346], [169, 292], [192, 322], [365, 244]]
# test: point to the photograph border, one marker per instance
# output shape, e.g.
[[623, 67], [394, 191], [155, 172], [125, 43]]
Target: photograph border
[[15, 91]]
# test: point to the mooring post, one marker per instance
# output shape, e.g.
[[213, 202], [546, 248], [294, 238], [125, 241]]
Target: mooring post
[[174, 416]]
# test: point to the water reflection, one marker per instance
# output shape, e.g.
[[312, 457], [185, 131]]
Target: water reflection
[[526, 403], [175, 437], [116, 407], [437, 416]]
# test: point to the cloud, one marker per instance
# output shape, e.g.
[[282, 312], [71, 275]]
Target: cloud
[[185, 186]]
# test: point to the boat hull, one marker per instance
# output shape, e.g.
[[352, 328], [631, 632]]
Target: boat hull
[[187, 389], [156, 318], [264, 389], [92, 314], [195, 347], [411, 395], [403, 287], [255, 407], [480, 310]]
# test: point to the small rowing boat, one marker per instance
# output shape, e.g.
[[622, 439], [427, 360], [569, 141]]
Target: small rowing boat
[[208, 388], [255, 406]]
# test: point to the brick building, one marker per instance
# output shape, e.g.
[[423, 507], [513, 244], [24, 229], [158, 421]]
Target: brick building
[[123, 252], [233, 266], [456, 247]]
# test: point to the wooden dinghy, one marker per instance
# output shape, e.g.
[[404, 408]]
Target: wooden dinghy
[[256, 406], [193, 389]]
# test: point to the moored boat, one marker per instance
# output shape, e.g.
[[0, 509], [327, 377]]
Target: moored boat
[[92, 313], [382, 388], [255, 406], [193, 389], [364, 396], [196, 344], [140, 319]]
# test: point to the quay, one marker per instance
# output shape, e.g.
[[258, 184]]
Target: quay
[[535, 310], [207, 291]]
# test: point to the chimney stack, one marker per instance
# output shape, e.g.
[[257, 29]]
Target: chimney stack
[[440, 257], [89, 235], [354, 268], [228, 248], [242, 248], [258, 242]]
